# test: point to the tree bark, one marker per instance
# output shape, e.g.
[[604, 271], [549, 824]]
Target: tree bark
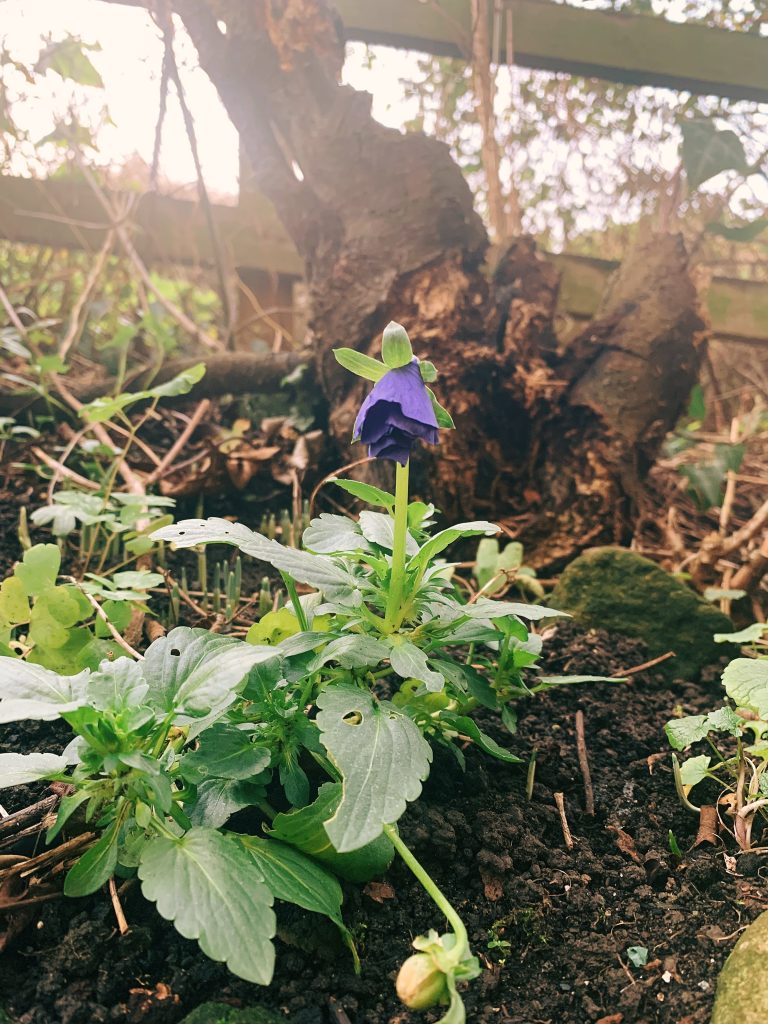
[[553, 444]]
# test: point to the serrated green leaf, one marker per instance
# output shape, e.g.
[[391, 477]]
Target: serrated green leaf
[[379, 528], [117, 685], [293, 877], [213, 891], [95, 867], [225, 752], [694, 770], [329, 534], [67, 57], [410, 662], [19, 769], [485, 609], [304, 829], [443, 539], [360, 364], [30, 691], [217, 800], [354, 650], [746, 683], [383, 759], [743, 636]]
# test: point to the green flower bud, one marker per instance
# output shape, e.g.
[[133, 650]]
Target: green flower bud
[[395, 346], [420, 984]]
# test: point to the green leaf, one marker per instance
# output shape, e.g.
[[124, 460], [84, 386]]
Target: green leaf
[[682, 732], [485, 609], [293, 877], [744, 636], [410, 662], [637, 955], [225, 752], [67, 807], [379, 528], [95, 867], [19, 769], [428, 371], [443, 417], [39, 568], [67, 57], [746, 683], [217, 800], [468, 726], [360, 364], [441, 540], [383, 759], [329, 534], [304, 829], [694, 770], [32, 692], [354, 650], [14, 603], [195, 672], [706, 151], [213, 891], [181, 384], [105, 408], [366, 492], [117, 685]]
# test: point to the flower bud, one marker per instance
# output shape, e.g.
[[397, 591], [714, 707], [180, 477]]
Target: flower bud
[[395, 346], [420, 984]]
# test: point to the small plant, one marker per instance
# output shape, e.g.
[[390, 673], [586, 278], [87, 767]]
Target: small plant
[[741, 770], [379, 659]]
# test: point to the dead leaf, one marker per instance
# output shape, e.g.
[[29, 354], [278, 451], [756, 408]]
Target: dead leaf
[[379, 891]]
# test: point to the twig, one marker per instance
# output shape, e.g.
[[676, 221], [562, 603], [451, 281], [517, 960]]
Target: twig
[[581, 751], [117, 906], [730, 487], [75, 328], [179, 443], [61, 470], [13, 316], [648, 664], [530, 776], [105, 619], [331, 476], [560, 804]]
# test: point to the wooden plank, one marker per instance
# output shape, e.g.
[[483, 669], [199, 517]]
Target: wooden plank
[[65, 214], [636, 49]]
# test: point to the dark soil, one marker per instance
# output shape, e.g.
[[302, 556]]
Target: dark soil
[[550, 925]]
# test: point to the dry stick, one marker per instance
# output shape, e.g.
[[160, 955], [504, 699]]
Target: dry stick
[[335, 473], [75, 330], [730, 487], [648, 664], [52, 856], [560, 804], [61, 470], [179, 443], [13, 316], [707, 832], [171, 308], [581, 750], [105, 619], [122, 923]]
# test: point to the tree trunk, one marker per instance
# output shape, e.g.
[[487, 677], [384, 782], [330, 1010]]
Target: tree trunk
[[553, 445]]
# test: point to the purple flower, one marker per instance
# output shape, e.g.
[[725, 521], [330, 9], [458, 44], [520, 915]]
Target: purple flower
[[397, 412]]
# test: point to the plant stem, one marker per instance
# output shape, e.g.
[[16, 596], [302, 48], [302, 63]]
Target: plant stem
[[462, 941], [298, 608], [397, 575]]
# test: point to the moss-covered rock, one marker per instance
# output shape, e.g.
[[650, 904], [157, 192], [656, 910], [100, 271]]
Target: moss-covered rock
[[742, 988], [222, 1013], [625, 593]]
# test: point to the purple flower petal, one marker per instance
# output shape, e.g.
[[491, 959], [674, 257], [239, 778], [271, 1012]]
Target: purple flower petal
[[396, 413]]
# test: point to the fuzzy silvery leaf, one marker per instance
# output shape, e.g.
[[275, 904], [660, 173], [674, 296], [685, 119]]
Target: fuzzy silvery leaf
[[410, 662], [224, 752], [379, 528], [36, 693], [329, 534], [383, 759], [19, 769], [485, 609], [213, 891], [351, 651], [746, 683], [194, 672], [292, 877], [116, 684], [443, 539], [744, 636], [217, 800]]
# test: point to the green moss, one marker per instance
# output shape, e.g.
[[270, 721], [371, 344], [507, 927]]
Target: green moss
[[622, 592], [742, 988], [221, 1013]]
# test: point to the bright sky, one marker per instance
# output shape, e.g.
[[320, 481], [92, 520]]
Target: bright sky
[[129, 64]]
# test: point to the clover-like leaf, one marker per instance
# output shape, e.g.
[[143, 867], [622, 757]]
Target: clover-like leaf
[[213, 891], [383, 759]]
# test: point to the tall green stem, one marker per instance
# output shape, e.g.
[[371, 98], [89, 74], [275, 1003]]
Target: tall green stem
[[439, 898], [397, 576]]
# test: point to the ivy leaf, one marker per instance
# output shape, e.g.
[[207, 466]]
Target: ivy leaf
[[36, 693], [383, 759], [360, 364], [746, 683], [19, 769], [441, 540], [225, 752], [292, 877], [329, 534], [707, 151], [95, 867], [366, 492], [195, 672], [213, 891], [410, 662], [304, 829]]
